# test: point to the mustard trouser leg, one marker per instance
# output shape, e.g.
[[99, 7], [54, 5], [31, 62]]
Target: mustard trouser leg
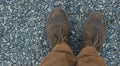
[[61, 55], [90, 57]]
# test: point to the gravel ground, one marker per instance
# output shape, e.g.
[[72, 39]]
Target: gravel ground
[[22, 29]]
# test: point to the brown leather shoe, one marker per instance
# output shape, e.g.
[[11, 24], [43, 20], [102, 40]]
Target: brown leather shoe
[[94, 31], [58, 27]]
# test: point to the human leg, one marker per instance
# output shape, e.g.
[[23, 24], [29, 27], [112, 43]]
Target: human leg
[[93, 37], [58, 33]]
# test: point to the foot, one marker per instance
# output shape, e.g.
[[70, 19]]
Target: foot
[[58, 28], [94, 31]]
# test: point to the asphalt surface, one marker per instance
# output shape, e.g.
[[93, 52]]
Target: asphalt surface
[[23, 39]]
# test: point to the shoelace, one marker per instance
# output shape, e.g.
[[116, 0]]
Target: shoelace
[[60, 38], [95, 43]]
